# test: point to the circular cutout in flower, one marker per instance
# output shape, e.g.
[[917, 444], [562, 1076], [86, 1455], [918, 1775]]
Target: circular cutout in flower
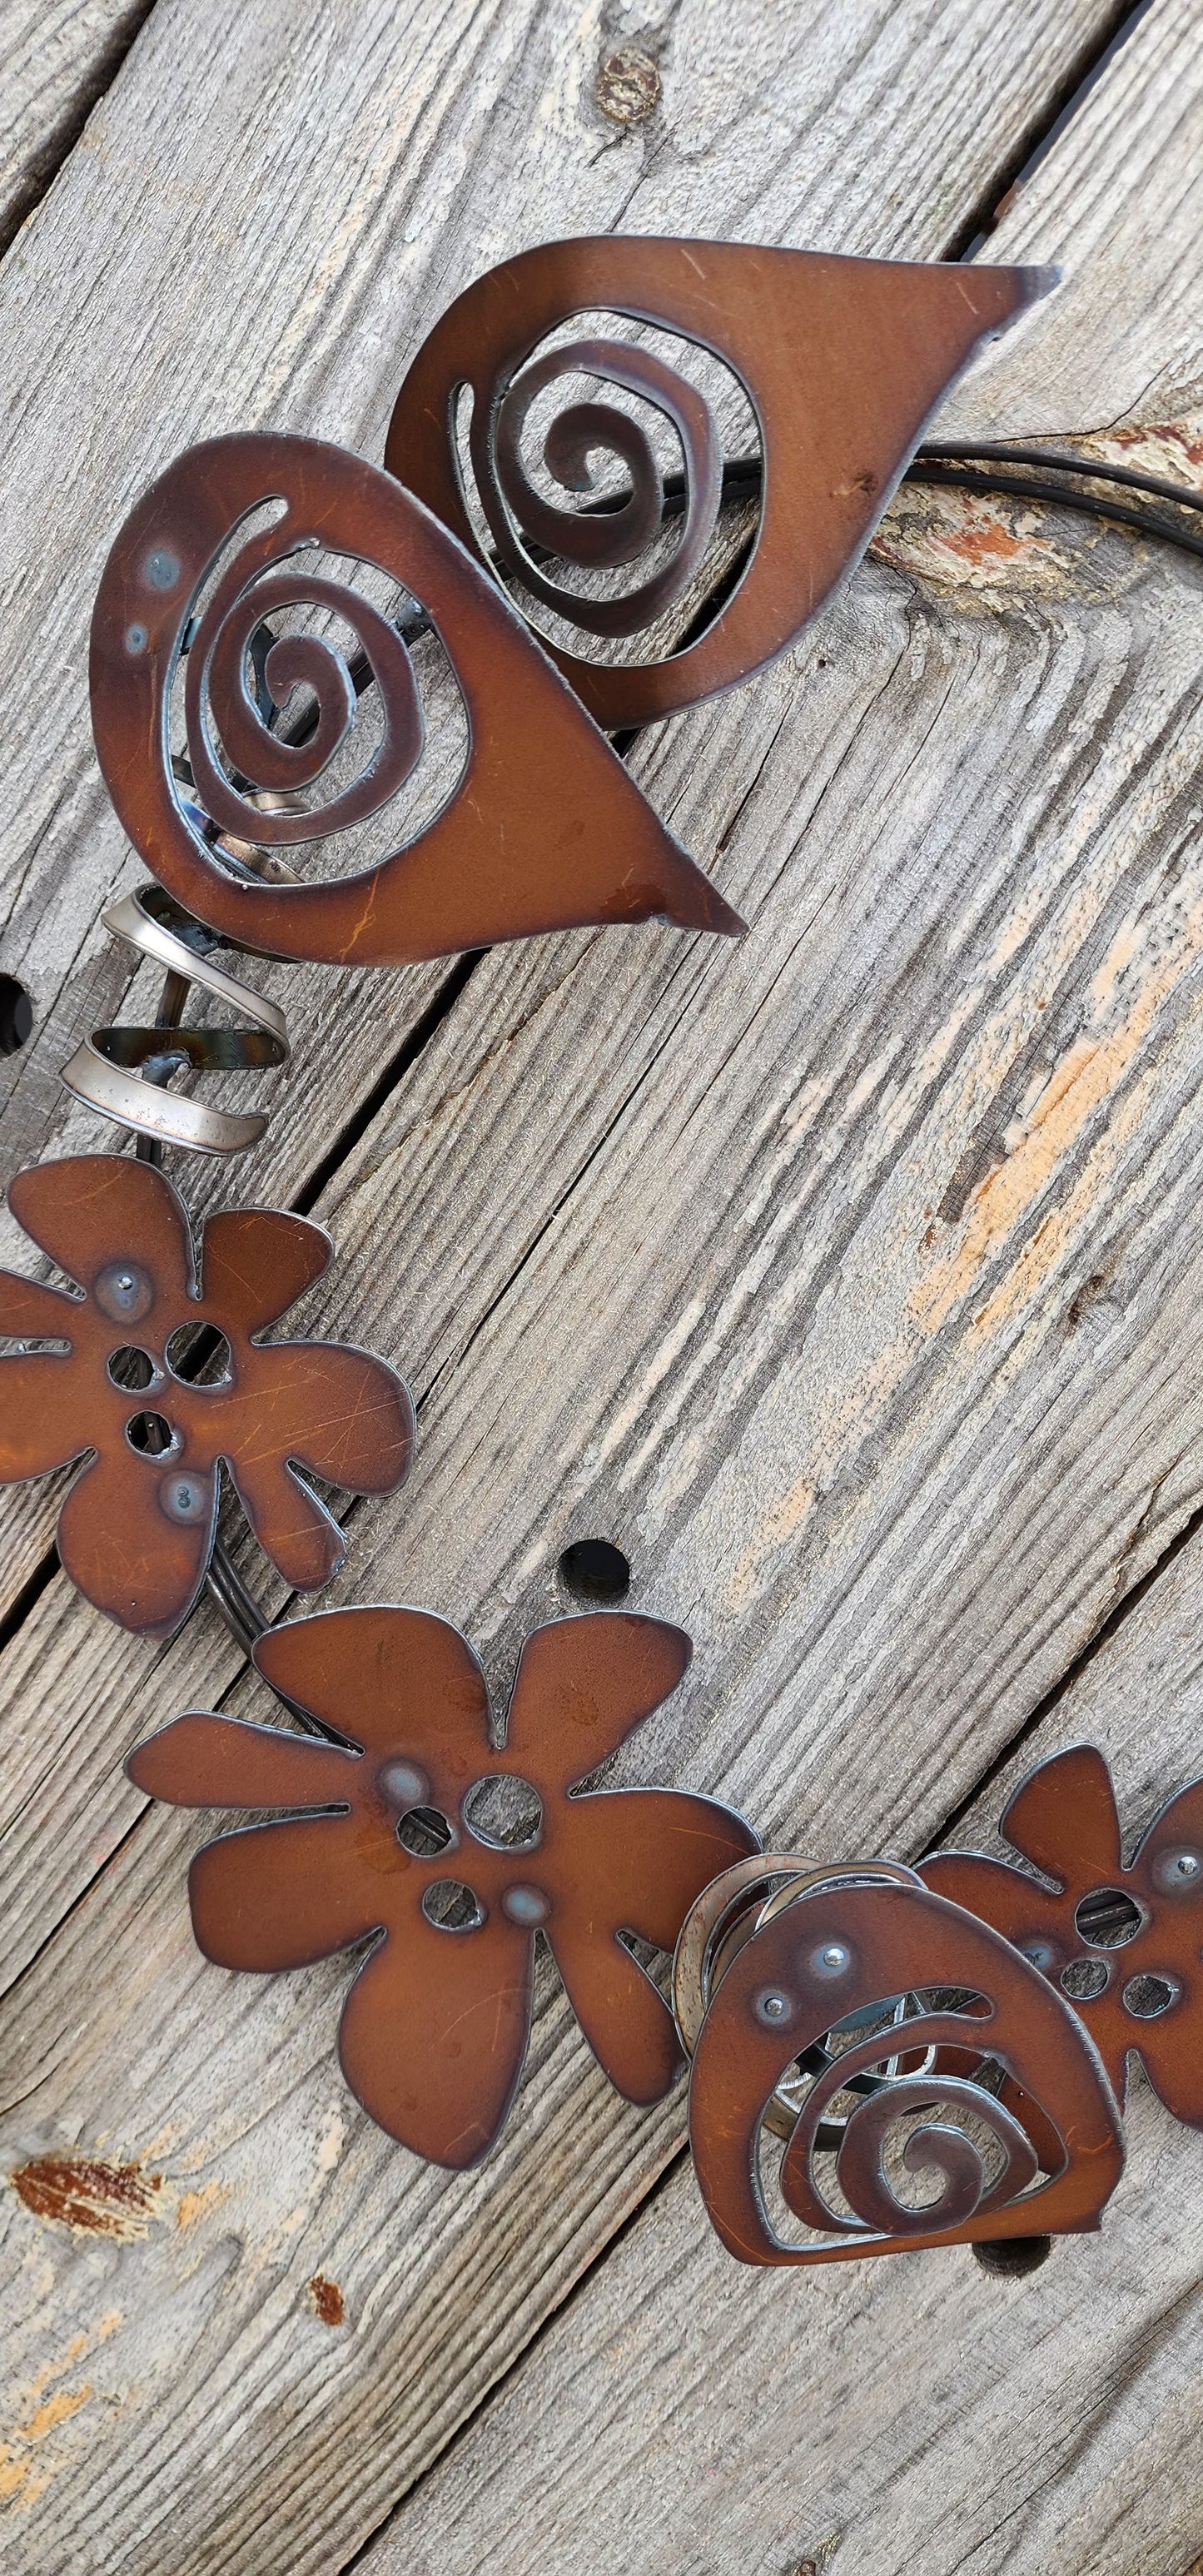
[[405, 1834], [117, 1370], [1124, 1944]]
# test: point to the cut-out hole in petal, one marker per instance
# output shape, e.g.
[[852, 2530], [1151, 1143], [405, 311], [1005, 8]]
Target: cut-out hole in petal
[[1146, 1997], [452, 1907], [1083, 1979], [151, 1433], [201, 1354], [504, 1812], [132, 1368], [1107, 1918], [424, 1831]]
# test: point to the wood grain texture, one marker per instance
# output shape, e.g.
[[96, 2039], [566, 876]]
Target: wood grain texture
[[57, 57], [893, 1210], [685, 2415]]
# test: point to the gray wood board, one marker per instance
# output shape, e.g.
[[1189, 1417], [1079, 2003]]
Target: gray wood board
[[56, 58], [751, 1134]]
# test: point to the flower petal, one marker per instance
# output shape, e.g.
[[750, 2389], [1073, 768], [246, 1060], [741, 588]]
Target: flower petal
[[336, 1410], [582, 1684], [280, 1896], [1063, 1817], [635, 1860], [32, 1312], [397, 1681], [1005, 1897], [125, 1552], [292, 1526], [434, 2033], [255, 1263], [43, 1422], [203, 1761], [98, 1208], [627, 2023]]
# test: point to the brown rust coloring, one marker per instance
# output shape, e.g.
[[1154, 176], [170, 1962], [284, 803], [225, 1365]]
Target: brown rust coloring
[[544, 831], [327, 2300], [387, 1842], [136, 1529], [1124, 1942], [89, 2193], [843, 361], [884, 2005]]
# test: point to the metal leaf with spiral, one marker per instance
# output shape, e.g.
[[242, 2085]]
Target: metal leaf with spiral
[[876, 2029]]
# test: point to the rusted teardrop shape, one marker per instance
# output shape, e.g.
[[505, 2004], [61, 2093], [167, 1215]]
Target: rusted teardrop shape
[[545, 830], [843, 361]]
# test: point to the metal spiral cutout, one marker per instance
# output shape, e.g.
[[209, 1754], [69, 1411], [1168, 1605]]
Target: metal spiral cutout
[[840, 2009], [601, 538], [121, 1072]]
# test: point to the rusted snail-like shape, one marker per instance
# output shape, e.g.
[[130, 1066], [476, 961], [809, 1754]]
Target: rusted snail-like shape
[[891, 2003], [545, 829], [842, 360]]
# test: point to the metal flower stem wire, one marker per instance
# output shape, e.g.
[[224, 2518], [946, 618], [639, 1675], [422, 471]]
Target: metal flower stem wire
[[1032, 473]]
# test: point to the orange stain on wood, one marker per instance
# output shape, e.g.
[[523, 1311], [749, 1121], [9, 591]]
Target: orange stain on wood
[[327, 2300], [89, 2193]]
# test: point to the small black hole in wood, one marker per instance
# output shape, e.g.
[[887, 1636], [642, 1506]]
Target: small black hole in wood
[[593, 1570], [201, 1354], [1010, 2257], [16, 1016]]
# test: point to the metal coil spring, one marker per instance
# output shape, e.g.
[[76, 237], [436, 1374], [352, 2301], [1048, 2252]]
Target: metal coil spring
[[122, 1072]]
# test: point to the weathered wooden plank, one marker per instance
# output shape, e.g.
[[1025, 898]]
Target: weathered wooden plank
[[55, 62], [906, 1597], [684, 2414]]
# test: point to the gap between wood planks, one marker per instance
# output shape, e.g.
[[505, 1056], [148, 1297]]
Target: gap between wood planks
[[96, 78], [1063, 106]]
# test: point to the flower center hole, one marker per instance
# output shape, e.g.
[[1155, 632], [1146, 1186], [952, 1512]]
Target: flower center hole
[[151, 1433], [1107, 1918], [503, 1811], [1145, 1997], [130, 1367], [592, 1570], [1083, 1979], [199, 1353], [424, 1831], [452, 1907]]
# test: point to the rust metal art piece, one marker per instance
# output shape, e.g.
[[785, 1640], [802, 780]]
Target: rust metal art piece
[[842, 2008], [842, 360], [1125, 1943], [545, 830], [115, 1370], [396, 1842]]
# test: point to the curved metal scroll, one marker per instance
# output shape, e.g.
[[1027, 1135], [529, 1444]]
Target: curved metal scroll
[[119, 1071], [545, 829], [843, 361], [858, 2000]]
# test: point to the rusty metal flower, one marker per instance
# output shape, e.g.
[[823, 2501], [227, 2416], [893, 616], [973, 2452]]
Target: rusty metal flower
[[116, 1371], [401, 1837], [1125, 1944]]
